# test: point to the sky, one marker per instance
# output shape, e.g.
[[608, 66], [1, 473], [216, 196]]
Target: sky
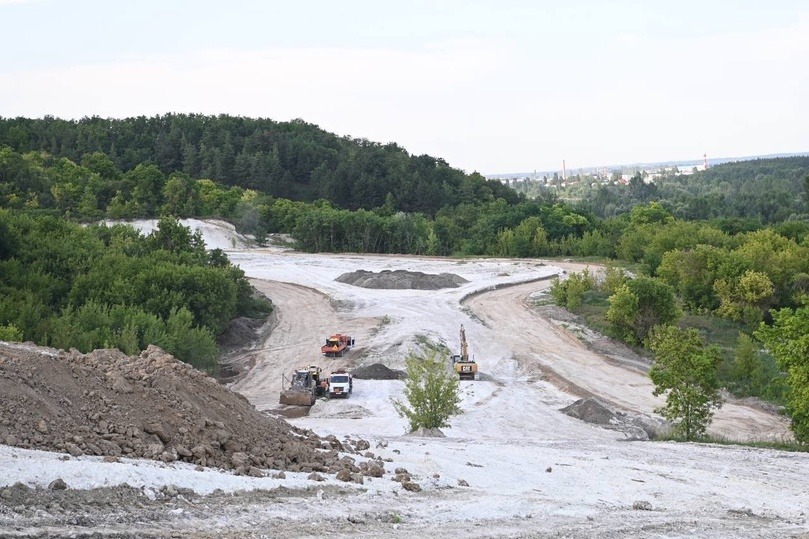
[[489, 86]]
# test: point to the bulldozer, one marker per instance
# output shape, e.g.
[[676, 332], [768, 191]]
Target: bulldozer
[[466, 368], [302, 389]]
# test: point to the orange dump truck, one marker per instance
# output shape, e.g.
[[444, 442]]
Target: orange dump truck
[[336, 345]]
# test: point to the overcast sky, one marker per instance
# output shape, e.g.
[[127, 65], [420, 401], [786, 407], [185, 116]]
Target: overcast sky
[[493, 86]]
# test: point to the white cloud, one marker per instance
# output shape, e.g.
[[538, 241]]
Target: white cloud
[[484, 104]]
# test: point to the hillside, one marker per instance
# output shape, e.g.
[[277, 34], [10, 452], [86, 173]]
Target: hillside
[[294, 160], [756, 191]]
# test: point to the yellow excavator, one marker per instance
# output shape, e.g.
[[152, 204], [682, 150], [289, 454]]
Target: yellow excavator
[[466, 368]]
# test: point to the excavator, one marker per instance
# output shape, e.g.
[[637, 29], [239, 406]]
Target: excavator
[[466, 368]]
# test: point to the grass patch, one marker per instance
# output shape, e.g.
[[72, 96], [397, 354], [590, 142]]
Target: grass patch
[[594, 317], [790, 446], [722, 332]]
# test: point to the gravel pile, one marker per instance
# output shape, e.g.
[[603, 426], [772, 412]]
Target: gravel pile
[[378, 371], [401, 280]]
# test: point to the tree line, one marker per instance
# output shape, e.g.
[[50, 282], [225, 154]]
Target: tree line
[[69, 286], [736, 195], [294, 160]]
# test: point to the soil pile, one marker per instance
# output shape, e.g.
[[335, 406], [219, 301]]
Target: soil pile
[[592, 410], [633, 426], [401, 280], [378, 371], [148, 406]]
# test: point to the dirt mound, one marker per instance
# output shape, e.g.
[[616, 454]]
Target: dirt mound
[[148, 406], [378, 371], [592, 410], [401, 280], [633, 426], [427, 433]]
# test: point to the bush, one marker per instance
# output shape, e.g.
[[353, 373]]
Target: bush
[[10, 333], [640, 304], [570, 292]]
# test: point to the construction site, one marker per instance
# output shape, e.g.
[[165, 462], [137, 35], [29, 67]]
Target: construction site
[[554, 438]]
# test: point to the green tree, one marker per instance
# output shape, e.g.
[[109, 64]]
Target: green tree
[[180, 196], [614, 278], [431, 390], [747, 370], [194, 345], [10, 333], [639, 305], [788, 340], [746, 298], [685, 371], [650, 213]]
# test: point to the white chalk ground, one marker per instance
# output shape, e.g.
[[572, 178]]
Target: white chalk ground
[[531, 470]]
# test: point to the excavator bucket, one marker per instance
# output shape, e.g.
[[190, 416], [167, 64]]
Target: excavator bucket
[[302, 390], [297, 398]]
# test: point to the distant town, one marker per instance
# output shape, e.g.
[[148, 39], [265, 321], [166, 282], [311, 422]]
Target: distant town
[[621, 174]]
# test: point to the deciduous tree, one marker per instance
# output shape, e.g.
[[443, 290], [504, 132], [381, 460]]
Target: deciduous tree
[[685, 371], [639, 305], [431, 390], [788, 340]]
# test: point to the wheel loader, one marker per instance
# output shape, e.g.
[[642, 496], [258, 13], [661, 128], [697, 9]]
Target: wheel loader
[[302, 389], [466, 368]]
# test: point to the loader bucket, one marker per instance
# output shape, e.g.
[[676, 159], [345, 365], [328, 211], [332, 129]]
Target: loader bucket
[[297, 398]]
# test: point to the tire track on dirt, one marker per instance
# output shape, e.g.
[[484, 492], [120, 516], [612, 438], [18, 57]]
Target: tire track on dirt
[[558, 356]]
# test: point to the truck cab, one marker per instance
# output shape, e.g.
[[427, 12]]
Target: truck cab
[[340, 384]]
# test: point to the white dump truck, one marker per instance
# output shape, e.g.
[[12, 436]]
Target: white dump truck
[[340, 384]]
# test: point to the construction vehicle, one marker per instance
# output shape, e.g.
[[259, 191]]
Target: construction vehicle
[[336, 345], [466, 368], [302, 389], [321, 382], [341, 384]]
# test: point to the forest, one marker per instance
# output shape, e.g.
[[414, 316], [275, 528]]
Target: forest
[[68, 286], [725, 248], [293, 160]]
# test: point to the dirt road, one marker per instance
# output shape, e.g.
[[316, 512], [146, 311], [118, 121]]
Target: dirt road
[[305, 318], [543, 348], [511, 465]]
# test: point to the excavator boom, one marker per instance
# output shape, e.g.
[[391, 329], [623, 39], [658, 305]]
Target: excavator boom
[[466, 368]]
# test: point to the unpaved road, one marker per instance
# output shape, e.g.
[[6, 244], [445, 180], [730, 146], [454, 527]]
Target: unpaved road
[[543, 348], [305, 317]]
